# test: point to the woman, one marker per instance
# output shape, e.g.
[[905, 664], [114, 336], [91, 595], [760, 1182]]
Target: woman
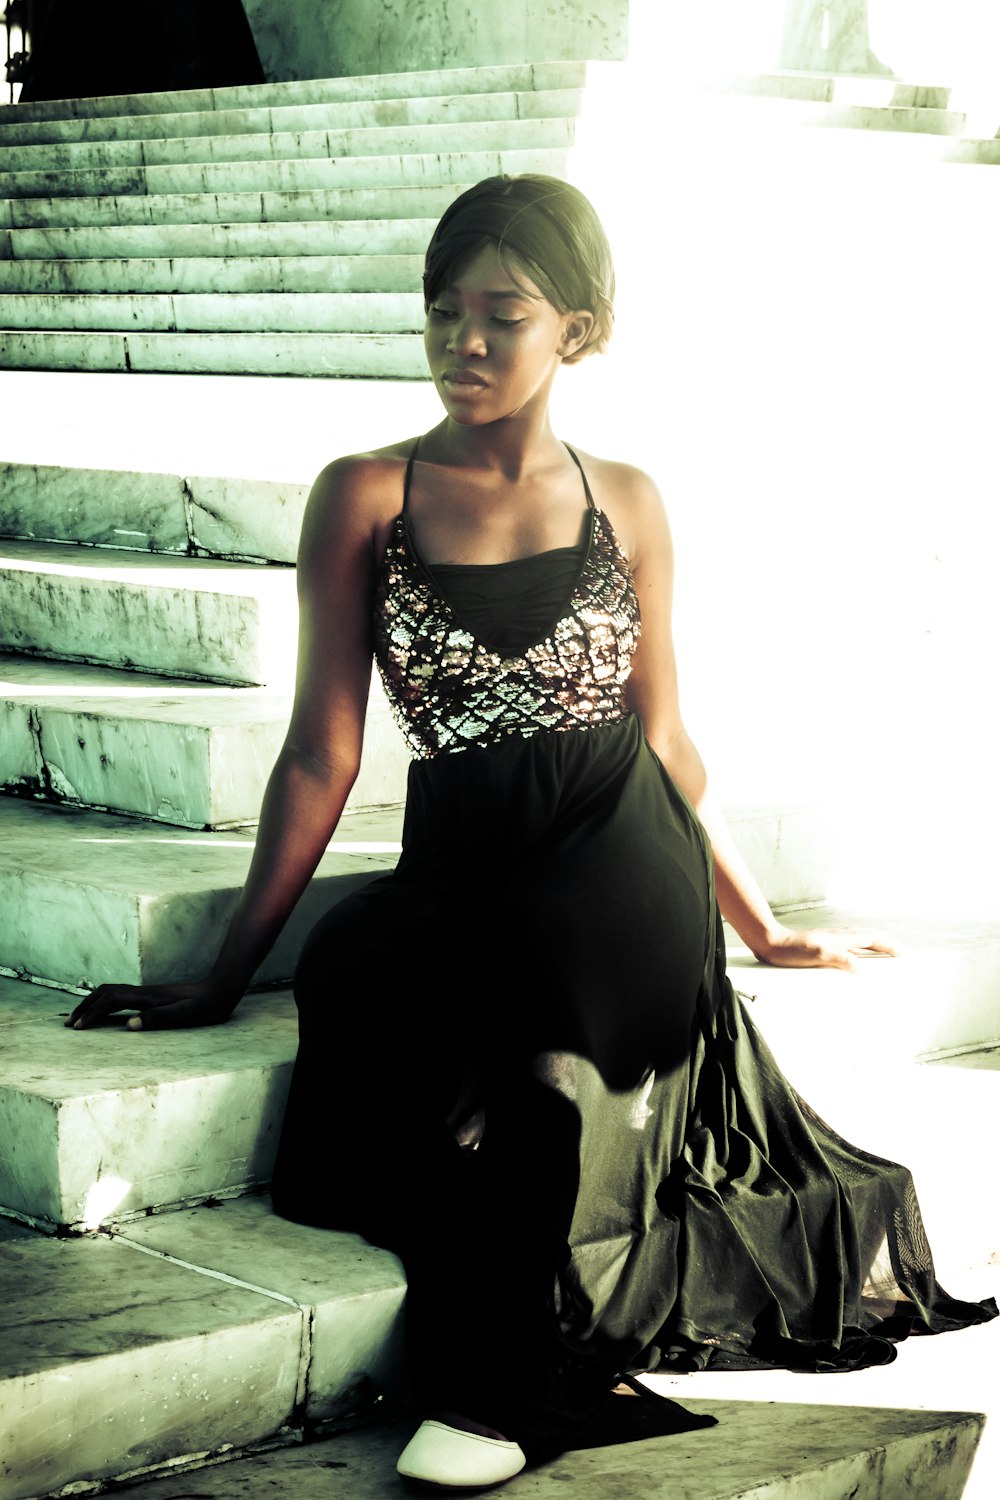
[[521, 1064]]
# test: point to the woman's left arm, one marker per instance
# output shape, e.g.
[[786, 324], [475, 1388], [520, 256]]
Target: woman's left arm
[[653, 695]]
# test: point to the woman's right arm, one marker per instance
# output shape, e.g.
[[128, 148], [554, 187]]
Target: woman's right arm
[[316, 767]]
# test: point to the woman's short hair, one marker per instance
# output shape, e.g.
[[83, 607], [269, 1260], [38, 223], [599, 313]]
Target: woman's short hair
[[544, 226]]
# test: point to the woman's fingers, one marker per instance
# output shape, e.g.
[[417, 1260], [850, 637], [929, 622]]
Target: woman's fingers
[[159, 1007], [823, 948]]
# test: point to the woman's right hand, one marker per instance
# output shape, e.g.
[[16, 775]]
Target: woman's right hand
[[160, 1006]]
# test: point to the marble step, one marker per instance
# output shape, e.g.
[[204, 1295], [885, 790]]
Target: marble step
[[240, 1327], [310, 238], [431, 83], [126, 1353], [413, 201], [539, 147], [847, 89], [758, 1452], [190, 515], [920, 135], [152, 896], [356, 355], [280, 119], [220, 311], [107, 1124], [224, 273], [498, 120], [186, 617], [90, 897], [190, 754], [77, 1107]]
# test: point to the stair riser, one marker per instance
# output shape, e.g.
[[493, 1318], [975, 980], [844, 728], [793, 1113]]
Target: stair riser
[[268, 312], [80, 936], [213, 241], [224, 637], [347, 172], [881, 92], [164, 764], [61, 142], [228, 274], [368, 356], [508, 132], [403, 202], [206, 516], [420, 85]]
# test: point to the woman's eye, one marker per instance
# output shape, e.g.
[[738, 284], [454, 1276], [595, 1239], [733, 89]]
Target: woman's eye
[[508, 322], [443, 312]]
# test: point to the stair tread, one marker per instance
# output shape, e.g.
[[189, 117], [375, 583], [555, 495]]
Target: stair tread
[[201, 274], [151, 570], [105, 852], [221, 1361], [354, 187], [371, 356], [420, 84], [765, 1456], [289, 119], [273, 144], [215, 311]]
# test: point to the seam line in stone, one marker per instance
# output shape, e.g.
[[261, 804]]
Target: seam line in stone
[[188, 1265]]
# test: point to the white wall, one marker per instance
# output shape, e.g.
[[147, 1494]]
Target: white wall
[[330, 38]]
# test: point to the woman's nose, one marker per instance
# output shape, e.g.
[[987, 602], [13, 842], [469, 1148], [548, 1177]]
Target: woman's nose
[[465, 338]]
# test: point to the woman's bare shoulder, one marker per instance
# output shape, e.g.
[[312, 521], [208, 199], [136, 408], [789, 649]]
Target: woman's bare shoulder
[[628, 496], [358, 492]]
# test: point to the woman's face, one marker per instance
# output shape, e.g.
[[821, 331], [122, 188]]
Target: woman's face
[[493, 345]]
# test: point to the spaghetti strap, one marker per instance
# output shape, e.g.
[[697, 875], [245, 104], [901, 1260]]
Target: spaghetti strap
[[409, 475], [583, 476]]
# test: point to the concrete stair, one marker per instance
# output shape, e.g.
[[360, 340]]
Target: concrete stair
[[945, 124], [233, 231]]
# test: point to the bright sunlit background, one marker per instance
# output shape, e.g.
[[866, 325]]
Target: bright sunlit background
[[805, 359]]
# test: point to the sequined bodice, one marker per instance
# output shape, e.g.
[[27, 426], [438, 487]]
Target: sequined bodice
[[449, 690]]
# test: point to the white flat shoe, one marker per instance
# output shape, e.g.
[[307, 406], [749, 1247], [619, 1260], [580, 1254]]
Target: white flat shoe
[[457, 1460]]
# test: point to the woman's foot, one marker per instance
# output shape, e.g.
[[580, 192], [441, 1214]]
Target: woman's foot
[[465, 1457]]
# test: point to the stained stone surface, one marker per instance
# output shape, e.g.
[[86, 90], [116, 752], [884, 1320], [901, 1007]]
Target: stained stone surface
[[213, 134], [148, 512], [183, 616], [398, 202], [93, 897], [294, 273], [376, 85], [110, 1120], [354, 1291], [313, 235], [220, 311], [757, 1452], [111, 1360], [374, 355], [350, 38], [495, 127], [186, 753]]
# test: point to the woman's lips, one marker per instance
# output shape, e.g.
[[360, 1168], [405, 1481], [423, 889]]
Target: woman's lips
[[467, 378]]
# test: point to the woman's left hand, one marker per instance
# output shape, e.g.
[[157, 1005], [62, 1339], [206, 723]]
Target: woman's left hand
[[821, 948]]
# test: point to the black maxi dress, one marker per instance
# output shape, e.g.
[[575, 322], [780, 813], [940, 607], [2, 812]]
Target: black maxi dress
[[522, 1066]]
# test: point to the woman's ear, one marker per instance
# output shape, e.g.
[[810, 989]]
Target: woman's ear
[[579, 327]]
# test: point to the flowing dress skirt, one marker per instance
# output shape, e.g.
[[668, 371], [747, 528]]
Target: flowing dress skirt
[[522, 1068]]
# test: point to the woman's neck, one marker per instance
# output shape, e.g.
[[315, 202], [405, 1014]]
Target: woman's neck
[[511, 447]]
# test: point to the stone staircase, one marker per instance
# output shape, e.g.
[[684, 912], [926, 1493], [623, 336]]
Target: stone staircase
[[270, 228], [147, 626], [944, 123]]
